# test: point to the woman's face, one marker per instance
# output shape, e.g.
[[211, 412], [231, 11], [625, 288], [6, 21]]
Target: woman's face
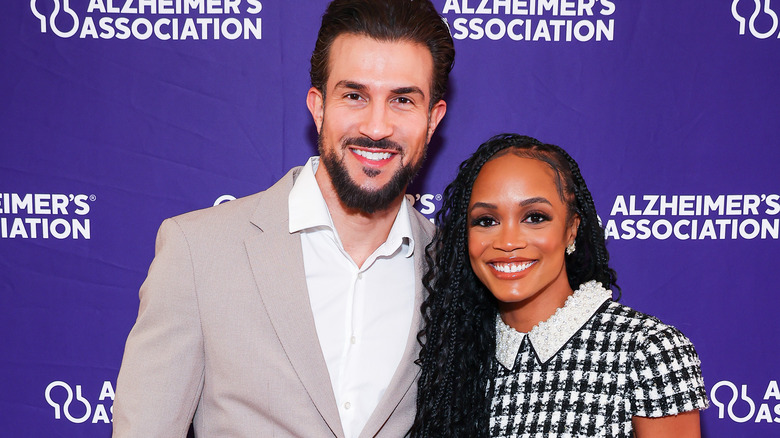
[[518, 233]]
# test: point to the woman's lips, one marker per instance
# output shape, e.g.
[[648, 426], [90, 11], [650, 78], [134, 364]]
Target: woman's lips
[[510, 269]]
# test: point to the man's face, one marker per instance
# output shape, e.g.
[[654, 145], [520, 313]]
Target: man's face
[[374, 121]]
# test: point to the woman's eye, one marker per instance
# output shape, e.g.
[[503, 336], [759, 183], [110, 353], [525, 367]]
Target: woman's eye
[[536, 218], [483, 221]]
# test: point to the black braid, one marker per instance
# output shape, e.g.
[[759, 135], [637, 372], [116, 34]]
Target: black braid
[[592, 262], [458, 340]]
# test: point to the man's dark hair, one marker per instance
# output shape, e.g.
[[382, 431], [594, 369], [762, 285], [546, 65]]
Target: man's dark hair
[[386, 20]]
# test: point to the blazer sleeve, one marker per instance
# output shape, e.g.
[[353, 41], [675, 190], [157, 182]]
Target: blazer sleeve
[[161, 376]]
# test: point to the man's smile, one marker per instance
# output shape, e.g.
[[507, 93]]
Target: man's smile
[[373, 157]]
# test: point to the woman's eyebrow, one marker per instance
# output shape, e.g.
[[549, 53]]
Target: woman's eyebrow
[[535, 200]]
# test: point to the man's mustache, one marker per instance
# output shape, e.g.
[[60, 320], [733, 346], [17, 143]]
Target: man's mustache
[[366, 142]]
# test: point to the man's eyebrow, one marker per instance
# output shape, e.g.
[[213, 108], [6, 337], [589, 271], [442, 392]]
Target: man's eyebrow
[[362, 87], [408, 90], [350, 84]]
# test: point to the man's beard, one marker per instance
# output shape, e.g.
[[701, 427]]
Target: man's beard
[[355, 197]]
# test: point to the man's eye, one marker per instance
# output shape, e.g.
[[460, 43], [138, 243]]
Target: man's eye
[[403, 100], [483, 221], [352, 96]]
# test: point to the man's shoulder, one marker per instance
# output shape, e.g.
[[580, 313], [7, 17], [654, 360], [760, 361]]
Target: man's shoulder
[[422, 227], [420, 222], [240, 211]]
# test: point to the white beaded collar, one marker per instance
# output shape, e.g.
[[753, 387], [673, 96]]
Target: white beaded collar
[[547, 337]]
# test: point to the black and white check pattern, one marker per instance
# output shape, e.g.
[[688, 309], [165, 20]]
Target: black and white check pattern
[[619, 364]]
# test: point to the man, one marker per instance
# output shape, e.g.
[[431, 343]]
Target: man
[[294, 311]]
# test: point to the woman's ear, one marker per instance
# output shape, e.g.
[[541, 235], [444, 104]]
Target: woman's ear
[[573, 227]]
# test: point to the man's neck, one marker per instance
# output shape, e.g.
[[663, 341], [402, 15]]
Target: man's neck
[[360, 233]]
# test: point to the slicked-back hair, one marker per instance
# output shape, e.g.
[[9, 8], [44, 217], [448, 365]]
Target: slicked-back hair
[[458, 339], [415, 21]]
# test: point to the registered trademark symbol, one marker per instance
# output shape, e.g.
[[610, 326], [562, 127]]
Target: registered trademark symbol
[[92, 198], [438, 197]]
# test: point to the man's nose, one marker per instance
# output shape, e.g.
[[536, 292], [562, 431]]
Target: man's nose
[[377, 123]]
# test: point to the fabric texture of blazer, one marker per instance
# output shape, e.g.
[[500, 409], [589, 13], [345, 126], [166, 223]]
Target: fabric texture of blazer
[[225, 336]]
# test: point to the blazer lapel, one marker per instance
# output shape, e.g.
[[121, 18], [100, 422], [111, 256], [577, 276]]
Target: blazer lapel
[[277, 265], [406, 374]]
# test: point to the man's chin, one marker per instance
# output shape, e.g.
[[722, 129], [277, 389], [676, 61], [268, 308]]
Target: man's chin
[[372, 185], [359, 191], [374, 175], [369, 201]]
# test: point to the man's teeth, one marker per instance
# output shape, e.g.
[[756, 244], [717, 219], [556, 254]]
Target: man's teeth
[[512, 267], [375, 156]]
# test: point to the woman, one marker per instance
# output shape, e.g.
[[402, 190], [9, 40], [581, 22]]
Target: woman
[[521, 335]]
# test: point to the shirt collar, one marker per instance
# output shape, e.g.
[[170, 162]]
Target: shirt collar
[[307, 207], [401, 233], [308, 210], [548, 337]]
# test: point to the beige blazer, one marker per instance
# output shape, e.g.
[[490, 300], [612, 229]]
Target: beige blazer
[[225, 335]]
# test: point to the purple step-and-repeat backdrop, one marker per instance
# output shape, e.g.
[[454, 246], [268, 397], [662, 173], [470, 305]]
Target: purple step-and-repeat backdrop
[[117, 114]]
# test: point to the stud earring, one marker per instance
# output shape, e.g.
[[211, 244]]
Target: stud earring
[[570, 249]]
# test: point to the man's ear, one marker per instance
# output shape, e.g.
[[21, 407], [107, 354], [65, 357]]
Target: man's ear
[[434, 117], [315, 102]]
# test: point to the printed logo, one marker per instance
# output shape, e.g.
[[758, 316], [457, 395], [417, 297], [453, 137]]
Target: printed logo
[[756, 16], [531, 20], [144, 19], [739, 407], [45, 216], [66, 9], [426, 203], [78, 409], [224, 198], [694, 217]]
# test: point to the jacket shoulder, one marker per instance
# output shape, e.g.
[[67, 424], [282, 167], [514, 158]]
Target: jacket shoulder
[[422, 223], [238, 213]]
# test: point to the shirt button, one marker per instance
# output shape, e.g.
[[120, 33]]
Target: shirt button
[[360, 275], [347, 405], [353, 340]]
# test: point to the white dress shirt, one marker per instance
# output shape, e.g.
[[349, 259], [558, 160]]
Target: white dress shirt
[[362, 314]]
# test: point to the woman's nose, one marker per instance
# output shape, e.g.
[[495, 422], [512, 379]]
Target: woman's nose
[[509, 238]]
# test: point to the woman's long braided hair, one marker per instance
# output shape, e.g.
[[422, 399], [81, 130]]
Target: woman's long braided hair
[[459, 340]]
